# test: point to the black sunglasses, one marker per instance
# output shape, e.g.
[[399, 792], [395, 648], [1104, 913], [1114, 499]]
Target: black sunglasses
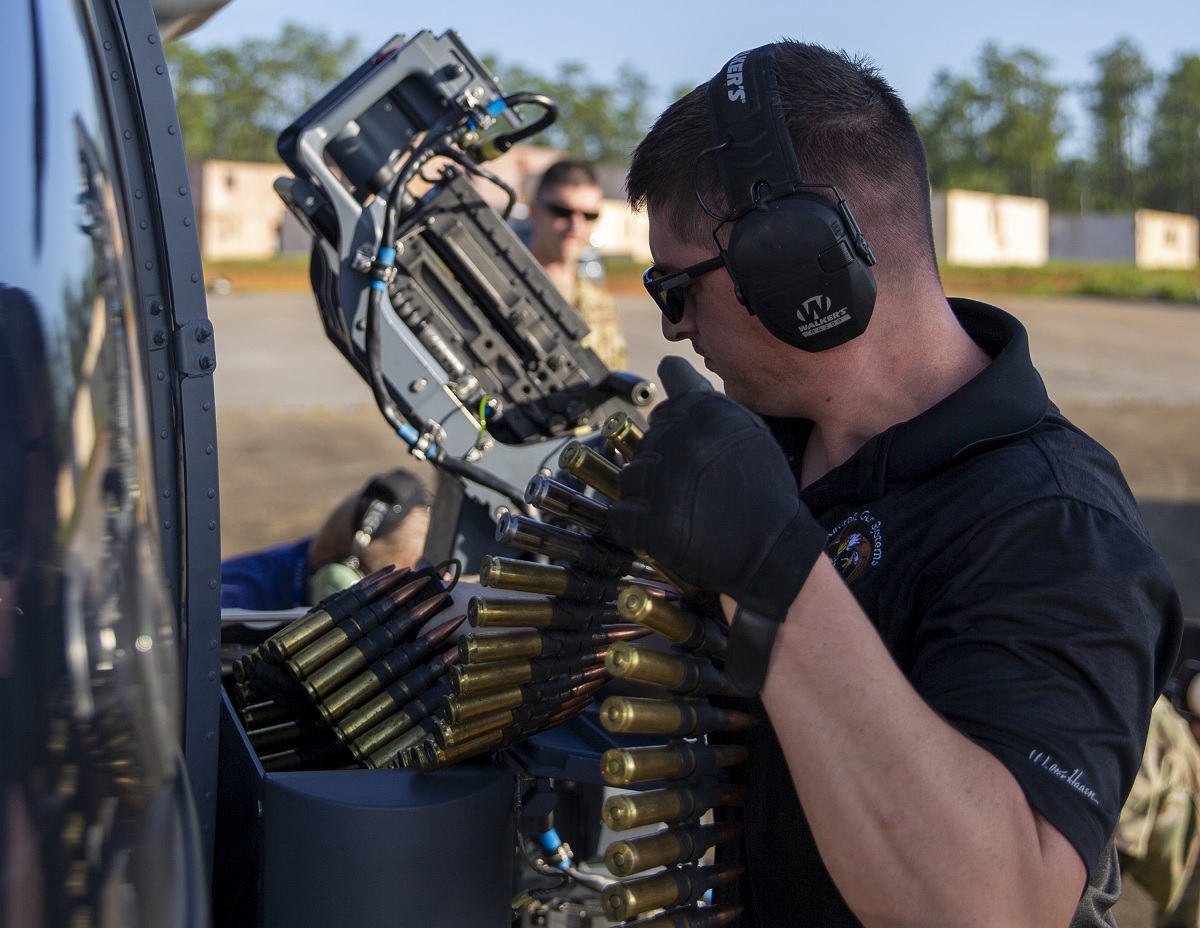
[[565, 212], [667, 289]]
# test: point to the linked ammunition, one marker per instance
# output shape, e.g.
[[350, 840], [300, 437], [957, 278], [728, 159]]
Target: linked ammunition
[[448, 733], [504, 573], [592, 468], [368, 739], [681, 886], [482, 649], [551, 612], [624, 811], [388, 751], [551, 496], [316, 755], [430, 755], [243, 667], [371, 647], [265, 713], [622, 434], [679, 761], [329, 611], [709, 916], [350, 630], [460, 708], [397, 696], [680, 718], [467, 681], [583, 551], [691, 632], [285, 735], [390, 666], [666, 848], [684, 675]]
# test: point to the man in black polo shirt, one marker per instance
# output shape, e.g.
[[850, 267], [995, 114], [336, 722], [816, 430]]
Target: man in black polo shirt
[[958, 690]]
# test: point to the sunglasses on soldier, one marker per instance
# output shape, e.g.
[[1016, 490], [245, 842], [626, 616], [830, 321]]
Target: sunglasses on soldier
[[565, 212], [668, 290]]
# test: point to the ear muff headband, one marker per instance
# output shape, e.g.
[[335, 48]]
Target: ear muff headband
[[798, 261]]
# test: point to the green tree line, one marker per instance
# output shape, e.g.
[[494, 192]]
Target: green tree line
[[1002, 128]]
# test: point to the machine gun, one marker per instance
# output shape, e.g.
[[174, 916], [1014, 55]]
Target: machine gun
[[471, 352]]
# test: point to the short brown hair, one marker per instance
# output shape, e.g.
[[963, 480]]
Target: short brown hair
[[569, 172], [848, 126]]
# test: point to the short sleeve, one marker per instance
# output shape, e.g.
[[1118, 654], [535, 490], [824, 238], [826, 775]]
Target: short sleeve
[[1050, 636]]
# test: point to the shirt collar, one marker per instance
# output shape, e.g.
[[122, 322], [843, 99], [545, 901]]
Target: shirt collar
[[1003, 400]]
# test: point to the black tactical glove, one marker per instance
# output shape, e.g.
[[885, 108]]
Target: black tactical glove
[[710, 496]]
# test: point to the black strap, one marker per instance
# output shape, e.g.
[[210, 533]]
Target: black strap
[[751, 638]]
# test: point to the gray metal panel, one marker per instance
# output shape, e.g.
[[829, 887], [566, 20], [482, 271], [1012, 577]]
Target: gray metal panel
[[170, 289]]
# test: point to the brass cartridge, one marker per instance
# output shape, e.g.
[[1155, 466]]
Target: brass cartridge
[[679, 761], [459, 709], [692, 632], [666, 848], [561, 500], [586, 465], [622, 434], [331, 610], [432, 755], [624, 811], [686, 676], [503, 573], [383, 755], [684, 885], [382, 640], [516, 645], [349, 630], [549, 612], [383, 672], [680, 718]]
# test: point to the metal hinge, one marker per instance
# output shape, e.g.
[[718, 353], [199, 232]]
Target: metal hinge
[[195, 354]]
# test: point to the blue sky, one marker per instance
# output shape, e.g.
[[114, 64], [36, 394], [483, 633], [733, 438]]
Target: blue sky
[[674, 41]]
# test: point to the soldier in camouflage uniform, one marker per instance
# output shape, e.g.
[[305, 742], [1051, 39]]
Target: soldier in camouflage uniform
[[1158, 836], [562, 215]]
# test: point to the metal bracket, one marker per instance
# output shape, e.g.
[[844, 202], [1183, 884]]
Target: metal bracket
[[195, 353]]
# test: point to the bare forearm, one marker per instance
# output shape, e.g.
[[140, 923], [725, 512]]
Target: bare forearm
[[916, 823]]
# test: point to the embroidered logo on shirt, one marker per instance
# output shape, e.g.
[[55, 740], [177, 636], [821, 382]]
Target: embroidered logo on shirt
[[1073, 778], [855, 544]]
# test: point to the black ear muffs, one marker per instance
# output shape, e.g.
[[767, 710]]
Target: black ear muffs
[[797, 259]]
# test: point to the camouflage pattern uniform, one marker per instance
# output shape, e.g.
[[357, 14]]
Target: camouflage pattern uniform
[[1158, 835], [599, 311]]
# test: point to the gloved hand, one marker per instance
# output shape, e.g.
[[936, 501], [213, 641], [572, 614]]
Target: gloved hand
[[709, 495]]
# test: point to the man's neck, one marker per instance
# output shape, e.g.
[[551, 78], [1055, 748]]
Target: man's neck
[[892, 378]]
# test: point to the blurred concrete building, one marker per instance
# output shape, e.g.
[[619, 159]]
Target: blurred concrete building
[[1147, 238], [974, 229], [240, 217]]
